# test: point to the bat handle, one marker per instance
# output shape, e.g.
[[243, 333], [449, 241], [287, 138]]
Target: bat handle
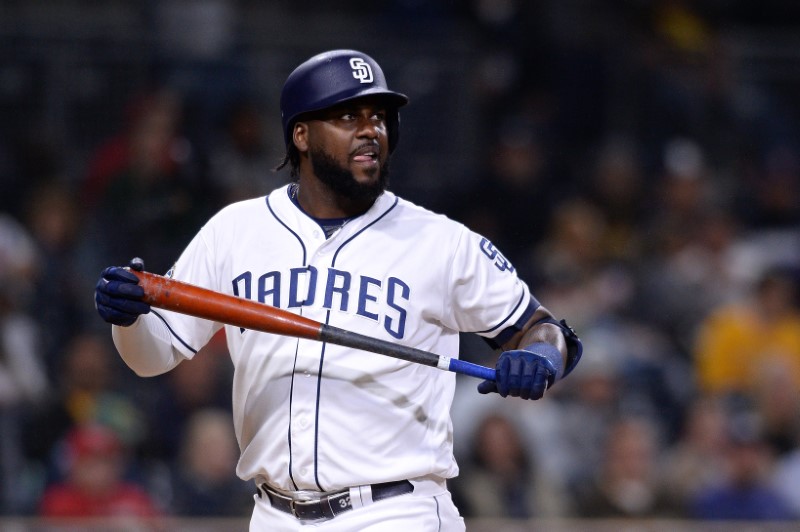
[[468, 368]]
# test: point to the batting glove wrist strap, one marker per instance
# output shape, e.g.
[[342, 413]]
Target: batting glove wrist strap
[[574, 344], [552, 355]]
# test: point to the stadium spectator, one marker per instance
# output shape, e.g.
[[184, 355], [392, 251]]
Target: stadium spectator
[[628, 483], [55, 220], [144, 183], [786, 480], [95, 485], [23, 378], [240, 164], [776, 399], [591, 404], [739, 341], [89, 393], [695, 460], [745, 494], [202, 383], [501, 479], [204, 481]]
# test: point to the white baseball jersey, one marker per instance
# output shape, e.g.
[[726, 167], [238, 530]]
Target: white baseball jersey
[[315, 416]]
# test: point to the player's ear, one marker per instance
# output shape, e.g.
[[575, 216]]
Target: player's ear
[[300, 136]]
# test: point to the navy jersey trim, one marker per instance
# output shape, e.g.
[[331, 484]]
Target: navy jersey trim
[[360, 231], [316, 416], [289, 431], [519, 302], [173, 333], [292, 231], [506, 334], [328, 225]]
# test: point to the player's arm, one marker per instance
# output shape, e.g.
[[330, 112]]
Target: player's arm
[[537, 350], [146, 346], [542, 352], [142, 338]]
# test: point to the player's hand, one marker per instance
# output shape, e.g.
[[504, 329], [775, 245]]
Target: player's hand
[[118, 296], [524, 373]]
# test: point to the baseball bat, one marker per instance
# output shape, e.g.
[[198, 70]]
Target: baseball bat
[[165, 293]]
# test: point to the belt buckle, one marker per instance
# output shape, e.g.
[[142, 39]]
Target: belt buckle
[[293, 507], [295, 504]]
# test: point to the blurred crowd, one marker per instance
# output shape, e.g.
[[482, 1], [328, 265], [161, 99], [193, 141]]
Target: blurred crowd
[[644, 192]]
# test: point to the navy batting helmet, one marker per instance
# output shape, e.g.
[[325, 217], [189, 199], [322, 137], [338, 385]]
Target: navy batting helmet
[[334, 77]]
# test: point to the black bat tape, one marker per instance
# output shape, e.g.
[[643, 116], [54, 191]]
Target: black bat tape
[[334, 335]]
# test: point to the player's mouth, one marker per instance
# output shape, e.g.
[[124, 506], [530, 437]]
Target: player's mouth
[[367, 155]]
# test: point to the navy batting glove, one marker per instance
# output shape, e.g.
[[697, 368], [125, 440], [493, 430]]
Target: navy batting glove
[[118, 296], [525, 373]]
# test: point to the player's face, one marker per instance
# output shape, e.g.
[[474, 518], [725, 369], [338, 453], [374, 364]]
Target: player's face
[[349, 149]]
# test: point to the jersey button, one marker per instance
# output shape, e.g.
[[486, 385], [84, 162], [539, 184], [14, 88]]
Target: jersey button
[[316, 234]]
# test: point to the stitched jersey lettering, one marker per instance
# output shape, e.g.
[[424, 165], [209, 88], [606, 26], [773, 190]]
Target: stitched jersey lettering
[[364, 296], [397, 290], [269, 288], [341, 287], [382, 301], [302, 281]]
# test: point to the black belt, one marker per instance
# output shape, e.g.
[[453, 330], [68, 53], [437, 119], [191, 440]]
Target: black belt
[[332, 505]]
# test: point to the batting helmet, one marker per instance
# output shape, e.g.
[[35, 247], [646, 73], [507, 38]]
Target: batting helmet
[[334, 77]]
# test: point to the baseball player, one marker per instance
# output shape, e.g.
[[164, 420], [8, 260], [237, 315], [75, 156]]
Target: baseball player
[[336, 439]]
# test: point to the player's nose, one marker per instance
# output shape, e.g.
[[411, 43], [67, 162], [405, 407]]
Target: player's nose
[[368, 128]]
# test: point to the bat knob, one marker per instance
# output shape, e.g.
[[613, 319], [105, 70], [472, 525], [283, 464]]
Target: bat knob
[[136, 264]]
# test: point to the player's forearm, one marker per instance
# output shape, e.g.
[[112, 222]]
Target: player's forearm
[[536, 331], [146, 346]]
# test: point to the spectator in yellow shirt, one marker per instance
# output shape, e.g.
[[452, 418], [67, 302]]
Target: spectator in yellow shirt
[[738, 342]]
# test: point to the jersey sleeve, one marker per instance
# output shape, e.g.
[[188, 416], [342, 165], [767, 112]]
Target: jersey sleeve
[[194, 266], [487, 296]]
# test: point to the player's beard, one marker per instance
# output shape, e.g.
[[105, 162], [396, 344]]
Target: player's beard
[[342, 181]]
